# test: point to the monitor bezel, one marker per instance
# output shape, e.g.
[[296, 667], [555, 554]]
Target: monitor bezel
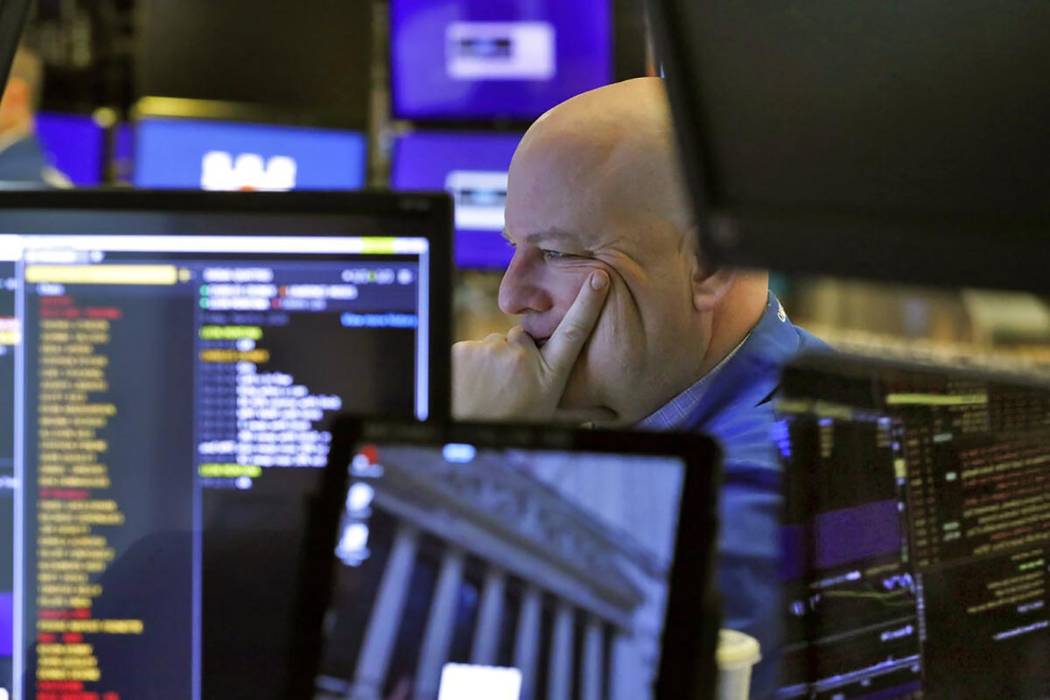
[[420, 215], [692, 616]]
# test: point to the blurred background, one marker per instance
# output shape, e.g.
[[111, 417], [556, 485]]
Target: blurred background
[[407, 94]]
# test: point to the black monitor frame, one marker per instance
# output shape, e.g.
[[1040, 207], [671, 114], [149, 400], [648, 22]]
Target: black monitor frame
[[926, 244], [690, 635], [352, 214]]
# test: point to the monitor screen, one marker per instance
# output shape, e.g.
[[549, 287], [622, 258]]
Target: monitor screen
[[162, 365], [472, 167], [74, 144], [228, 156], [515, 572], [496, 58], [917, 533]]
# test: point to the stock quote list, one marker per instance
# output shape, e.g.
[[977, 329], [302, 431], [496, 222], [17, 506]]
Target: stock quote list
[[151, 389], [919, 553]]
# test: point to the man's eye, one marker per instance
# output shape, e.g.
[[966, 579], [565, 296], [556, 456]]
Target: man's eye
[[554, 255]]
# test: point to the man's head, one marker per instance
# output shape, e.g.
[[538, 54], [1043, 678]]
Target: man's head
[[22, 93], [595, 184]]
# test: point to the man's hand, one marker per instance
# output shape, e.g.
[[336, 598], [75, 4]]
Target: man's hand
[[506, 377]]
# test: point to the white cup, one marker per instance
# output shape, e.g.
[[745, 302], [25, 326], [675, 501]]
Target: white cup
[[737, 654]]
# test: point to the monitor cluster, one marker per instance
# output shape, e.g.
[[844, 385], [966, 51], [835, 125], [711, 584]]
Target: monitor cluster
[[916, 546]]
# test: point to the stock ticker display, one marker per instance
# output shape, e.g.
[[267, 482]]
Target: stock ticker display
[[160, 380], [917, 534]]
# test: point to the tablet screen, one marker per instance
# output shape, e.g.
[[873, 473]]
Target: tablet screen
[[500, 573]]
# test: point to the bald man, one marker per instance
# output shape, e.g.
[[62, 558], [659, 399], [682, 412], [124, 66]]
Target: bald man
[[624, 323], [22, 161]]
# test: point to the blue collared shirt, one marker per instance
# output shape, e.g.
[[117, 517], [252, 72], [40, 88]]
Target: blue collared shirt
[[22, 162], [733, 404], [677, 411]]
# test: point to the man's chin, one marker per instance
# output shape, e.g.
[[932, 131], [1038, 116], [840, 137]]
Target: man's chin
[[597, 416]]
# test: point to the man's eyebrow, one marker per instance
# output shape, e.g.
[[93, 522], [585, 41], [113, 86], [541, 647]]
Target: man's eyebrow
[[548, 236]]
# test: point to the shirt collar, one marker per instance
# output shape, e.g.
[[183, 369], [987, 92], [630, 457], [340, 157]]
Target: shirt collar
[[674, 412]]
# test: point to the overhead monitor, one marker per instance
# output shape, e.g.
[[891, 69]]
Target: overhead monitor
[[482, 59], [917, 532], [170, 350], [901, 141], [518, 562], [472, 167], [75, 144], [229, 156]]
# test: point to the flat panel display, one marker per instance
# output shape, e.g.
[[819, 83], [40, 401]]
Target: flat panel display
[[514, 59], [472, 167], [74, 144], [917, 533], [232, 156], [517, 562], [162, 354]]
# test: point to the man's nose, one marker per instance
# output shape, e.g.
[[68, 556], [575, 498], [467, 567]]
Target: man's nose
[[521, 291]]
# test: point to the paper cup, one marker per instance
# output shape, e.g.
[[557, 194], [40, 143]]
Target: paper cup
[[737, 654]]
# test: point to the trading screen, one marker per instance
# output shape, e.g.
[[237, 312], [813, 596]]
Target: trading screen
[[75, 144], [471, 59], [501, 573], [236, 156], [918, 534], [472, 167], [159, 379]]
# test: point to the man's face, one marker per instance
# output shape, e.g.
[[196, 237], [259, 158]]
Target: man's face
[[13, 103], [564, 224]]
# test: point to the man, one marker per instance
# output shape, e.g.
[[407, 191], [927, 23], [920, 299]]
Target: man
[[623, 322], [22, 161]]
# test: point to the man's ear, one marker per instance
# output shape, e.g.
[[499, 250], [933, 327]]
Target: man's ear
[[709, 285]]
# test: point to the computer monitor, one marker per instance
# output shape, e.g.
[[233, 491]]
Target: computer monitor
[[219, 155], [514, 561], [177, 347], [74, 144], [472, 167], [904, 142], [479, 59], [917, 535]]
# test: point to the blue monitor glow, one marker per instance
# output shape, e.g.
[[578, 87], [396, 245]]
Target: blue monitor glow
[[216, 155], [475, 59], [74, 144], [473, 169]]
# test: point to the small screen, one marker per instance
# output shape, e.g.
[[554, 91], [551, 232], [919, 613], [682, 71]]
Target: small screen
[[230, 156], [511, 572], [150, 380], [917, 535], [74, 144], [496, 58], [473, 169]]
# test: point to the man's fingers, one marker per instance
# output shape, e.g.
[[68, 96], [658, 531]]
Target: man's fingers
[[565, 345], [517, 335]]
